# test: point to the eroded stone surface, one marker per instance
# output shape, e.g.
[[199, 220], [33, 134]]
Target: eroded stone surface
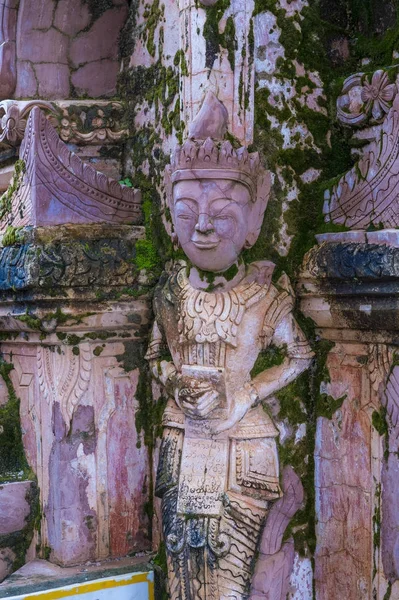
[[14, 506], [8, 20], [344, 493], [101, 41], [7, 558], [71, 16], [63, 34], [53, 80], [96, 79]]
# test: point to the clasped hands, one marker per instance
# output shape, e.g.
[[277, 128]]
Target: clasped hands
[[198, 399]]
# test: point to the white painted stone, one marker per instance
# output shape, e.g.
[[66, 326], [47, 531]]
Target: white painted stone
[[301, 579], [267, 45], [388, 237], [310, 175], [293, 7], [300, 433]]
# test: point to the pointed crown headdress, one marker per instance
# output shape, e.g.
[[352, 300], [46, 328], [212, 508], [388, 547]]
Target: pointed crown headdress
[[204, 155]]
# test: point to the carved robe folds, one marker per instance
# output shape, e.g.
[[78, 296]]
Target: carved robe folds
[[217, 487]]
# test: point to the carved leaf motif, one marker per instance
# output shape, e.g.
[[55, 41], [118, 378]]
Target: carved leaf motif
[[64, 377]]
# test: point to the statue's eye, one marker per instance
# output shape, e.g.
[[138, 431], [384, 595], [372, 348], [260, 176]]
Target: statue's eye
[[184, 217]]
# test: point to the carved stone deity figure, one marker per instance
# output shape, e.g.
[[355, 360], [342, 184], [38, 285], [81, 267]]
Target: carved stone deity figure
[[218, 471]]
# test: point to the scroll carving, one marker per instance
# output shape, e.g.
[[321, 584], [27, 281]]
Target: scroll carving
[[365, 98], [14, 116], [218, 472], [81, 122], [57, 187], [366, 195]]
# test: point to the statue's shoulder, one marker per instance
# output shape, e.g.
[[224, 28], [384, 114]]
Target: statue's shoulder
[[260, 272], [172, 280], [281, 300]]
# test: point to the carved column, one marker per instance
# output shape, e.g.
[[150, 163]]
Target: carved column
[[349, 287], [350, 290], [73, 319]]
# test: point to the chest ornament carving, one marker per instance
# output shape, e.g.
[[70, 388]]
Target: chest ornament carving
[[214, 316]]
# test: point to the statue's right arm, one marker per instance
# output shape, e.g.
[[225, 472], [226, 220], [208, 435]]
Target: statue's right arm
[[164, 371]]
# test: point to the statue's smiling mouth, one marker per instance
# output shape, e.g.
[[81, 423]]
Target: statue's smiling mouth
[[205, 245]]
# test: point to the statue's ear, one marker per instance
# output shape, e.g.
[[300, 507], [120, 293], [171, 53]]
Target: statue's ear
[[168, 221], [258, 207], [168, 189]]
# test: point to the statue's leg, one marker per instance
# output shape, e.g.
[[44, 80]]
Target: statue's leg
[[242, 525]]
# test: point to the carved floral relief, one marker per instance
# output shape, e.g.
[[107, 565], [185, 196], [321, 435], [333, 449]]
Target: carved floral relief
[[366, 195], [80, 122], [218, 473]]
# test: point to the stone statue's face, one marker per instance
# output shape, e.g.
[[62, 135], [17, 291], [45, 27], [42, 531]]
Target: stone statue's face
[[211, 221]]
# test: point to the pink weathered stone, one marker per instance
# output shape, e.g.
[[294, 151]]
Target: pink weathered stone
[[101, 40], [96, 79], [274, 565], [211, 121], [272, 578], [26, 80], [126, 475], [71, 16], [343, 475], [57, 187], [44, 46], [8, 20], [390, 475], [390, 522], [7, 557], [35, 15], [53, 80], [14, 508], [78, 416]]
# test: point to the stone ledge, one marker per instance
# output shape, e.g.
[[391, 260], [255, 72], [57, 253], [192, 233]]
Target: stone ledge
[[348, 260], [352, 286], [39, 575], [46, 259]]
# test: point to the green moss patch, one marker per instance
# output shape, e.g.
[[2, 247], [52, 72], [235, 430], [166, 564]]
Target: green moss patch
[[13, 463]]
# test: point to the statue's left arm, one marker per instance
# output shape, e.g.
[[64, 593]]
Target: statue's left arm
[[281, 330], [298, 356]]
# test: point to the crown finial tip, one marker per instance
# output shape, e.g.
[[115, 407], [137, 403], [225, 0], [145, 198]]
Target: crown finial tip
[[211, 120]]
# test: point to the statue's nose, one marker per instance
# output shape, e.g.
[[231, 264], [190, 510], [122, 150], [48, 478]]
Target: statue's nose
[[204, 224]]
